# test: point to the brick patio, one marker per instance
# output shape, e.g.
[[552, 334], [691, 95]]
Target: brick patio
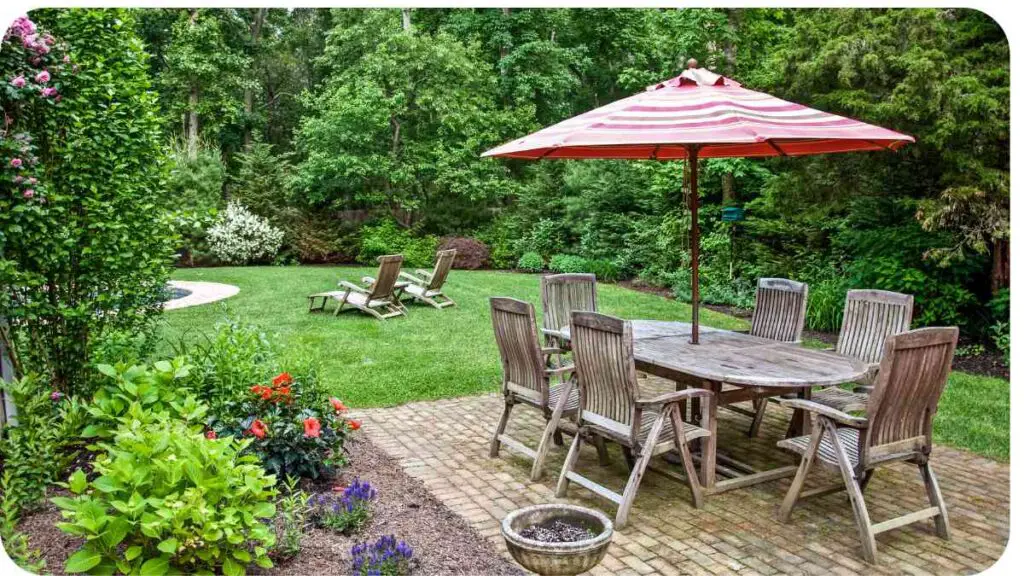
[[444, 443]]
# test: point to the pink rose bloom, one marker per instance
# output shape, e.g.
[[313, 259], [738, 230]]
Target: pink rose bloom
[[49, 92], [32, 181], [67, 59], [16, 162], [48, 39], [43, 77], [19, 179], [57, 99], [28, 40], [22, 25], [42, 49], [18, 82], [28, 194]]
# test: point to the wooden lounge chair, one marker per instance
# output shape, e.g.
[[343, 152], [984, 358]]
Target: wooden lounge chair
[[527, 381], [870, 316], [611, 409], [898, 428], [378, 300], [560, 294], [425, 285], [779, 309]]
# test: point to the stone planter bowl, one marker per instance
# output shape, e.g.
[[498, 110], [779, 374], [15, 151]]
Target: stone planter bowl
[[557, 558]]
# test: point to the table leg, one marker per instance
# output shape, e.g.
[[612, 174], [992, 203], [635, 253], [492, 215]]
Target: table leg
[[800, 423], [709, 444]]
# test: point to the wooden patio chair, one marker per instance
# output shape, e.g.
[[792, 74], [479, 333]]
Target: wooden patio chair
[[780, 306], [611, 409], [869, 317], [898, 428], [526, 380], [425, 285], [378, 300], [560, 294]]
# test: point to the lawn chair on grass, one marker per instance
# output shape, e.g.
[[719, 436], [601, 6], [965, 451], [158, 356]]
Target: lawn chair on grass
[[560, 294], [526, 380], [611, 409], [898, 428], [870, 316], [425, 285], [378, 300]]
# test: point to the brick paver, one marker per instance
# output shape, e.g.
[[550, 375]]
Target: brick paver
[[445, 444]]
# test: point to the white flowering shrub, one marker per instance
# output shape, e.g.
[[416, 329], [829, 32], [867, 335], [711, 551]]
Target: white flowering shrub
[[240, 237]]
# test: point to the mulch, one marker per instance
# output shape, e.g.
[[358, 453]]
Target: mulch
[[442, 542]]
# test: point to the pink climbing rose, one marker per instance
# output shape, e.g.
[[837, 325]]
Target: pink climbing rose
[[43, 77], [28, 194], [67, 59], [49, 92], [18, 82], [16, 162]]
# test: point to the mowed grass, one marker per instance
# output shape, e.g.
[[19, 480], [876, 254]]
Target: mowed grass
[[433, 354]]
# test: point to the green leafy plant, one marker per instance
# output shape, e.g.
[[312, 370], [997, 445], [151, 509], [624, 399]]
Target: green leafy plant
[[290, 521], [140, 393], [165, 499], [387, 238], [568, 263], [346, 512], [531, 262]]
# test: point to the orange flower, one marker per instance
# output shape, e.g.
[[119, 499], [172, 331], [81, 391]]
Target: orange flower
[[256, 389], [282, 378], [354, 424], [266, 393], [338, 406], [258, 428], [285, 391], [312, 427]]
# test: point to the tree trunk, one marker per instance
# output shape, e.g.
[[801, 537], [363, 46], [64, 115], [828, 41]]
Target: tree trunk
[[1000, 265], [406, 19], [503, 51], [254, 35], [728, 189], [193, 123]]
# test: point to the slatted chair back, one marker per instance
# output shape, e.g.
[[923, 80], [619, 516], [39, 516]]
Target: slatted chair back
[[603, 356], [445, 259], [387, 273], [779, 309], [913, 373], [560, 294], [871, 316], [515, 330]]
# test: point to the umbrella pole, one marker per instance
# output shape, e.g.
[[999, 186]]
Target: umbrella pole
[[694, 249]]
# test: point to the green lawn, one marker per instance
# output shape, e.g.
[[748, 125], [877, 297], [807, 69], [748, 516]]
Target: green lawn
[[438, 354]]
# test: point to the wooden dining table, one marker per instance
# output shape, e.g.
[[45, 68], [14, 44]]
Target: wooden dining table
[[736, 367]]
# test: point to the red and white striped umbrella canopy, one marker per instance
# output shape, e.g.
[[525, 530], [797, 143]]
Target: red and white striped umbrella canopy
[[704, 109]]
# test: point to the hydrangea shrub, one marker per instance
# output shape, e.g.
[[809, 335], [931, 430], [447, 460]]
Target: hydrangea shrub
[[241, 237]]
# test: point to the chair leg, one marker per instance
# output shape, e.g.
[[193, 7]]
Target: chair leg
[[557, 438], [495, 443], [759, 405], [866, 478], [627, 455], [860, 509], [931, 484], [633, 485], [684, 453], [550, 431], [602, 451], [570, 462], [806, 462]]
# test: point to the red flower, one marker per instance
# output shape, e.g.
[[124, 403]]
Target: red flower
[[266, 393], [211, 434], [354, 424], [285, 391], [282, 378], [338, 406], [258, 429], [256, 389], [312, 427]]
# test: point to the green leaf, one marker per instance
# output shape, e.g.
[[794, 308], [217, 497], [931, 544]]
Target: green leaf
[[264, 562], [170, 546], [107, 370], [232, 568], [155, 566], [77, 482], [82, 561], [264, 510], [242, 555], [132, 553]]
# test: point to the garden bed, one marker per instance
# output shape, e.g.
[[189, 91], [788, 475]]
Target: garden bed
[[442, 542]]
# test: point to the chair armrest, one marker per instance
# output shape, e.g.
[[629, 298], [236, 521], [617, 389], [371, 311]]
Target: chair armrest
[[424, 273], [367, 279], [676, 396], [547, 351], [826, 412], [567, 369], [552, 332], [414, 279], [353, 287]]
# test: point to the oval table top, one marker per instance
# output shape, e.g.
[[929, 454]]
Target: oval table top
[[736, 358]]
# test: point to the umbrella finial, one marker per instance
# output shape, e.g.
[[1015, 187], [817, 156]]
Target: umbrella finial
[[691, 63]]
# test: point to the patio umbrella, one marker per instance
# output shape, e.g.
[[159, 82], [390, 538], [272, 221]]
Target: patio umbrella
[[700, 114]]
